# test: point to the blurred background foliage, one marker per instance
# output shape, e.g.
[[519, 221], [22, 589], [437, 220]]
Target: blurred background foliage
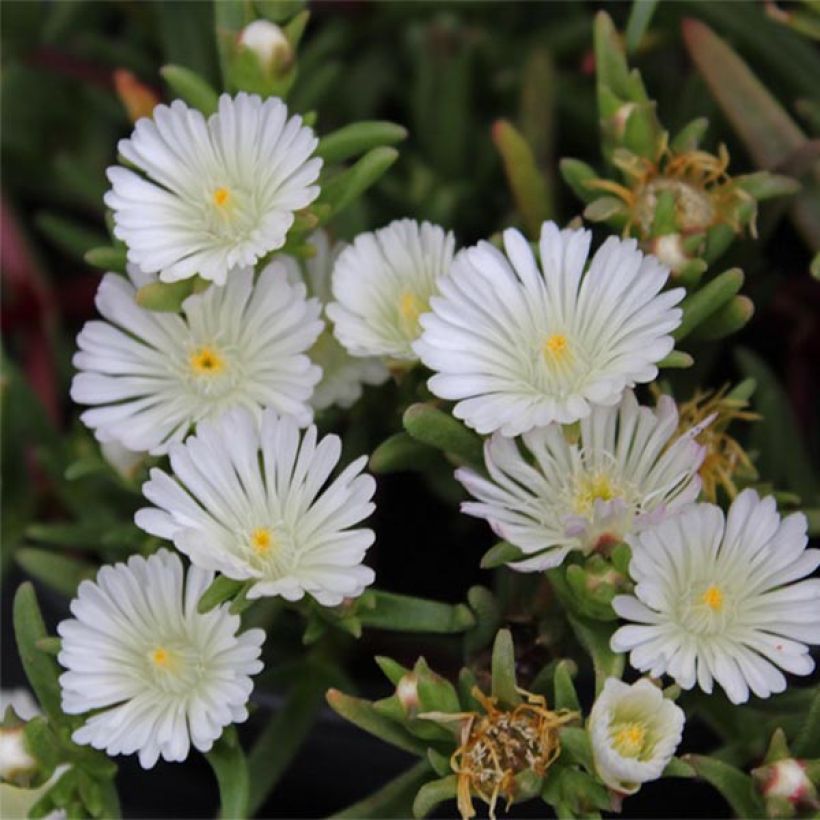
[[467, 79]]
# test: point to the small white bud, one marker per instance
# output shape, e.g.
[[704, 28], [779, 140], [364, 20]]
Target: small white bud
[[269, 43], [15, 761], [785, 778]]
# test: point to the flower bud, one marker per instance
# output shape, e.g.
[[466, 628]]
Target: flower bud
[[16, 763], [269, 43], [407, 691], [786, 779]]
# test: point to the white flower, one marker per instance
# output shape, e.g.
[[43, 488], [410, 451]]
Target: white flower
[[716, 600], [159, 675], [625, 473], [21, 700], [217, 194], [520, 347], [343, 375], [383, 283], [247, 499], [634, 732], [152, 375]]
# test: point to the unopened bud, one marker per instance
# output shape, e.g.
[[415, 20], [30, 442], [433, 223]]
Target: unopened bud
[[786, 779], [269, 43], [137, 98], [669, 251], [16, 764], [407, 692]]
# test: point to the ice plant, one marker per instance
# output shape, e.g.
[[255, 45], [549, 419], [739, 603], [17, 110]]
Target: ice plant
[[627, 470], [158, 675], [216, 194], [383, 283], [150, 377], [519, 347], [719, 598], [725, 458], [500, 744], [634, 731], [252, 500], [343, 375]]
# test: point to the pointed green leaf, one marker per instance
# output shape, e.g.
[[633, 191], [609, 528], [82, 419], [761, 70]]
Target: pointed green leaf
[[577, 174], [729, 319], [640, 15], [393, 671], [807, 742], [565, 695], [504, 684], [41, 669], [362, 713], [576, 746], [527, 183], [676, 360]]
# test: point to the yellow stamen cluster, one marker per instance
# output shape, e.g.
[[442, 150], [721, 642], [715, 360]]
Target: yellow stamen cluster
[[725, 458], [410, 307], [262, 541], [629, 739], [222, 196], [591, 488], [713, 598], [498, 745], [556, 347], [162, 658], [206, 361]]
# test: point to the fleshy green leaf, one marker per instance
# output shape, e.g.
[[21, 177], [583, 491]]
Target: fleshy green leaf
[[387, 610], [434, 427], [433, 793], [502, 553], [348, 186], [58, 571], [221, 589], [41, 669], [190, 86], [731, 318], [736, 787], [230, 767], [504, 685], [362, 713], [565, 695], [807, 742], [357, 138], [706, 301], [640, 15], [107, 258], [529, 189], [594, 637], [402, 452]]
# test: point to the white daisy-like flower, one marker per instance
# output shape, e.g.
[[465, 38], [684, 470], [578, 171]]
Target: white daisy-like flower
[[634, 731], [151, 376], [216, 194], [623, 474], [343, 375], [383, 283], [519, 347], [720, 599], [253, 501], [159, 675]]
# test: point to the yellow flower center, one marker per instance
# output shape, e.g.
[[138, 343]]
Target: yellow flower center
[[206, 361], [162, 658], [222, 196], [262, 541], [629, 740], [556, 347], [591, 488], [713, 598], [410, 307]]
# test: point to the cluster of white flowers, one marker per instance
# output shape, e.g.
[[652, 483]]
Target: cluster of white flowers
[[541, 353]]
